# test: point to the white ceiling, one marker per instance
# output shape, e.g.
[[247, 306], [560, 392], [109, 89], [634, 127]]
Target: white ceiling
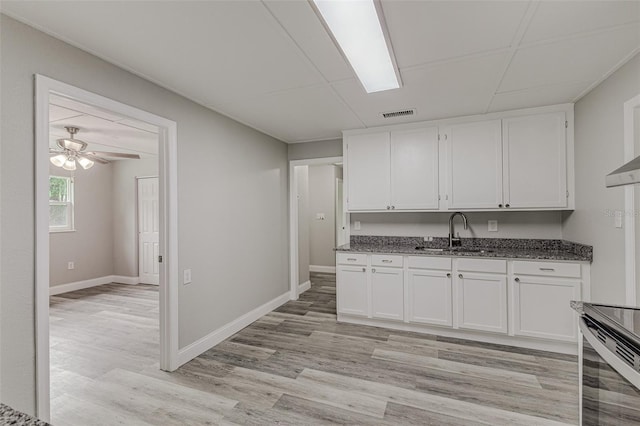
[[271, 65], [101, 130]]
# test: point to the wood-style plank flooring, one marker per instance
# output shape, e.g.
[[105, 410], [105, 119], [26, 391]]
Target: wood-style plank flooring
[[296, 366]]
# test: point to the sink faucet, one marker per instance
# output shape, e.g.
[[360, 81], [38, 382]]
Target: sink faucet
[[455, 241]]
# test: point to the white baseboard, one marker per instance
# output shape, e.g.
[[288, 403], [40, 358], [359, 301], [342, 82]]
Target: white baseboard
[[196, 348], [304, 287], [94, 282], [121, 279], [325, 269]]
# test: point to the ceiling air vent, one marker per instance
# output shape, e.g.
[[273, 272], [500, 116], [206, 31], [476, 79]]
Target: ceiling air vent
[[394, 114]]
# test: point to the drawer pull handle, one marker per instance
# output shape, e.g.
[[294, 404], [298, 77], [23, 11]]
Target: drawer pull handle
[[387, 261], [547, 269], [517, 280], [364, 269], [352, 259], [448, 275], [460, 276]]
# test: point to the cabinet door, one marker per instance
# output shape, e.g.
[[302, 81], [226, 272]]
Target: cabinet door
[[414, 169], [368, 172], [351, 290], [474, 158], [535, 161], [430, 297], [387, 293], [541, 307], [482, 302]]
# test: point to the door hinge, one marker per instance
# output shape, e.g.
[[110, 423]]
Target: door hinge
[[567, 194], [160, 259], [566, 124]]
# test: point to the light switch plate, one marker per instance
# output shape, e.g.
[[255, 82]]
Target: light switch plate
[[492, 226], [618, 219], [71, 265], [356, 225], [187, 276]]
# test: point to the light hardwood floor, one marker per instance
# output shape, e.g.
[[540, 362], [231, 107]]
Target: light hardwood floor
[[296, 365]]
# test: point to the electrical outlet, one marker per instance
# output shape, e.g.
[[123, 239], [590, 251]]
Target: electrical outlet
[[428, 239], [492, 226], [356, 225], [71, 265], [618, 219], [320, 216], [187, 276]]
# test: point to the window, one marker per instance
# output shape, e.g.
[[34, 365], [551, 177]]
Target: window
[[60, 204]]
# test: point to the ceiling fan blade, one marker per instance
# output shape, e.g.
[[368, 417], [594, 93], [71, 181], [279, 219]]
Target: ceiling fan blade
[[95, 158], [114, 154]]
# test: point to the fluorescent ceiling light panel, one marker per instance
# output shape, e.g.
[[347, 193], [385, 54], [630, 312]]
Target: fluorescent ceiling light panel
[[355, 26]]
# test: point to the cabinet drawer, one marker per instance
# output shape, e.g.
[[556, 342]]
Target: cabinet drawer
[[416, 262], [482, 265], [352, 259], [386, 260], [548, 269]]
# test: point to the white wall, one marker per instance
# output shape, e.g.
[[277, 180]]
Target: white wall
[[124, 210], [540, 225], [599, 149], [90, 246], [302, 178], [322, 199], [320, 149], [232, 184]]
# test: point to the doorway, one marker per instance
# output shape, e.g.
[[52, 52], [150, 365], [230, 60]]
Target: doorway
[[168, 272], [303, 224]]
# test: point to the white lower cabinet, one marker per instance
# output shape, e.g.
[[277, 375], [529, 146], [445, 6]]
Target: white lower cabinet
[[541, 307], [429, 299], [387, 293], [511, 302], [352, 290], [482, 302]]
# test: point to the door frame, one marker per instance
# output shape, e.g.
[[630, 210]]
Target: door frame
[[629, 204], [293, 217], [168, 165], [340, 183]]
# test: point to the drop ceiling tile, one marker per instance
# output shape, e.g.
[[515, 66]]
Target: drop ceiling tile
[[548, 95], [570, 60], [563, 18], [301, 22], [314, 113], [211, 51], [427, 31], [436, 91]]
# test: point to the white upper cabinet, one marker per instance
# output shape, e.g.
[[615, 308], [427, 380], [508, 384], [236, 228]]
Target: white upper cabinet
[[368, 172], [535, 161], [414, 169], [474, 159]]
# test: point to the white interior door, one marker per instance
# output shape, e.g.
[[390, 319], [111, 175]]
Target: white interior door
[[148, 231]]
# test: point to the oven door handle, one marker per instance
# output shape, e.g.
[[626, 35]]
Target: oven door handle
[[616, 363]]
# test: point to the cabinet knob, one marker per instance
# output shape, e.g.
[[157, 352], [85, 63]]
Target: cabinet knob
[[393, 207], [364, 269], [448, 275], [460, 276], [517, 280], [500, 205], [373, 270], [507, 205], [388, 207]]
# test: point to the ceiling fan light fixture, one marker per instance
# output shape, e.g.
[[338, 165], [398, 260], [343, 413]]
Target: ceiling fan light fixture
[[70, 164], [58, 160], [85, 163]]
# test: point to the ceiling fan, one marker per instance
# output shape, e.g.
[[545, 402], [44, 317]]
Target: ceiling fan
[[73, 150]]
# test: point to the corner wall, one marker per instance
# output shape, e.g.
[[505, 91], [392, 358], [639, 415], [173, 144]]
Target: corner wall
[[599, 149]]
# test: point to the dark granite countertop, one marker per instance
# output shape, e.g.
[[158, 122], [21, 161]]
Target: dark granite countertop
[[9, 416], [507, 248]]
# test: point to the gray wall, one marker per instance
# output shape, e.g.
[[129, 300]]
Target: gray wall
[[232, 184], [302, 178], [320, 149], [599, 149], [90, 246], [322, 199], [510, 225], [124, 210]]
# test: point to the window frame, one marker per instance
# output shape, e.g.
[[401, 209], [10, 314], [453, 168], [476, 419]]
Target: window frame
[[70, 226]]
